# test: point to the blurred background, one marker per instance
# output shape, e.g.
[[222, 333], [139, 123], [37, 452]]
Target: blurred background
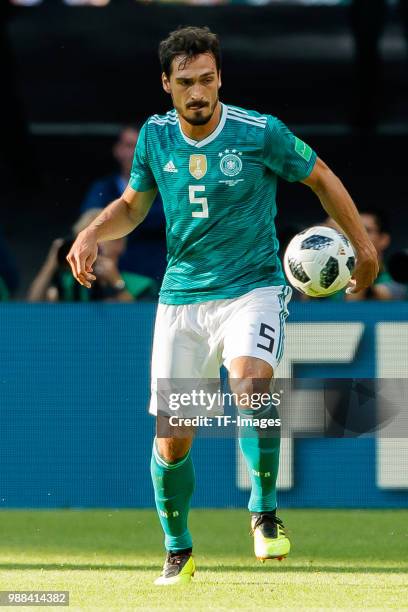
[[75, 73], [79, 77]]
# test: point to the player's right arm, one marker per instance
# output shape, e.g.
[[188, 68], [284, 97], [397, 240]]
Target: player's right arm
[[121, 216]]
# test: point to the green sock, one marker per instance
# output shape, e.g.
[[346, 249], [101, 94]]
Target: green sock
[[261, 453], [173, 485]]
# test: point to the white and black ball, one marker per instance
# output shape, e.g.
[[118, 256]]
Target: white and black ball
[[319, 261]]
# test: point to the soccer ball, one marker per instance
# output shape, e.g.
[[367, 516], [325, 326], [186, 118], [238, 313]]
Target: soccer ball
[[319, 261]]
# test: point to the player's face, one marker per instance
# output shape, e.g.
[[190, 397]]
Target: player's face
[[193, 86]]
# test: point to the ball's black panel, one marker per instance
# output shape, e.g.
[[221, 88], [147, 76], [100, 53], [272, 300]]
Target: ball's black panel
[[297, 270], [316, 242], [350, 263], [329, 273]]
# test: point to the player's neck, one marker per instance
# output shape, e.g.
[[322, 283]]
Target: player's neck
[[199, 132]]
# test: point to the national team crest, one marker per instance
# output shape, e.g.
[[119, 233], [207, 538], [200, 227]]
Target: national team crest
[[230, 162], [198, 166]]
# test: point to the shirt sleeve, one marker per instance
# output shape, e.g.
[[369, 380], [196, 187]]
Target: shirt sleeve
[[141, 176], [285, 154]]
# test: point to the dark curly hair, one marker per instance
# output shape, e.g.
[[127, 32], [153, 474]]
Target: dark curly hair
[[189, 41]]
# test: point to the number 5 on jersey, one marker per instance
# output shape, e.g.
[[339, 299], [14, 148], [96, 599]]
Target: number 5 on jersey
[[192, 190]]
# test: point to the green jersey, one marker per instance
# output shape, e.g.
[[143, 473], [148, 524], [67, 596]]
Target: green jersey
[[219, 197]]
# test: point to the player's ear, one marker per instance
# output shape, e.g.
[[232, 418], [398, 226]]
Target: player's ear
[[166, 83], [219, 79]]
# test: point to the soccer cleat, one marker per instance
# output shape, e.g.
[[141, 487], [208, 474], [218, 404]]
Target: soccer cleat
[[270, 541], [178, 568]]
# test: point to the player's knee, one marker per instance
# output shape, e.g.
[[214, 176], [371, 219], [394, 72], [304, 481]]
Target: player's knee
[[248, 391], [172, 449], [250, 368]]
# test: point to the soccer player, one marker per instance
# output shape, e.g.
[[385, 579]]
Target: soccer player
[[223, 300]]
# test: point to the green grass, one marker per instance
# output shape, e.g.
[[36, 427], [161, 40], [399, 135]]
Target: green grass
[[108, 559]]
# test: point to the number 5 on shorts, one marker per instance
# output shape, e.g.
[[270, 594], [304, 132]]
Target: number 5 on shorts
[[263, 332]]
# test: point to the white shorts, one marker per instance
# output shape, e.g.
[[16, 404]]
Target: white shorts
[[195, 340]]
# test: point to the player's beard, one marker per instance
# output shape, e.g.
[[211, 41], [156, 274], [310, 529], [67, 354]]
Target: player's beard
[[200, 118]]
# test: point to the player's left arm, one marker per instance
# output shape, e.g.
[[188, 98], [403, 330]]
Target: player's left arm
[[338, 204]]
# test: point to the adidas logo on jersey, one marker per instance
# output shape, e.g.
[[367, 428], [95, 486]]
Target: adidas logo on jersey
[[170, 167]]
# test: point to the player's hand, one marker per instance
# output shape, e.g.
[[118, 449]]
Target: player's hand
[[366, 270], [82, 256]]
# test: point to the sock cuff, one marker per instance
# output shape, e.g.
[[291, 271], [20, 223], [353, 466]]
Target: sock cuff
[[165, 464]]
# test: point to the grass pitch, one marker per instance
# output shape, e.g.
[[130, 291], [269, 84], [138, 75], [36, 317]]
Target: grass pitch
[[108, 560]]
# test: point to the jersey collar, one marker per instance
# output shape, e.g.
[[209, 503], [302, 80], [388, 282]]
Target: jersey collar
[[212, 136]]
